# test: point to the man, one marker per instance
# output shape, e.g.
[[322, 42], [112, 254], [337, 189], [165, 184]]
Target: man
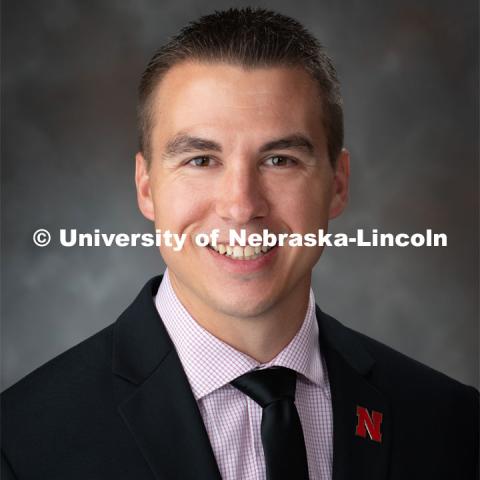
[[224, 367]]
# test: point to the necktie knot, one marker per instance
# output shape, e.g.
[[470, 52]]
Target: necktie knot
[[268, 385]]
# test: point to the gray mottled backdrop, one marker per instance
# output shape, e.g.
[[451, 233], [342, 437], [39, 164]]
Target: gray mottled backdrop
[[409, 71]]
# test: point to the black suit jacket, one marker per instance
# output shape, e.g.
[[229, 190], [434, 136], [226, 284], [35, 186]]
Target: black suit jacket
[[119, 406]]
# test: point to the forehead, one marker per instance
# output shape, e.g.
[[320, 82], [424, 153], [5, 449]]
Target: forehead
[[224, 99]]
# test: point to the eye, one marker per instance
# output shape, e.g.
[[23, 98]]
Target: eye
[[279, 161], [202, 161]]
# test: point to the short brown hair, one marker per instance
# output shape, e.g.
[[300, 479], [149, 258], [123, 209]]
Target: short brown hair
[[249, 38]]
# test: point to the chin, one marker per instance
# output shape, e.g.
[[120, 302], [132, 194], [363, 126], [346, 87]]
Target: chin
[[242, 307]]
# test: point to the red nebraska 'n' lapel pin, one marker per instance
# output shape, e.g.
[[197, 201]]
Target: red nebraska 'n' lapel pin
[[369, 424]]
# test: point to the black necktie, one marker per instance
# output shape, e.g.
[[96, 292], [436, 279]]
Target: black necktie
[[282, 436]]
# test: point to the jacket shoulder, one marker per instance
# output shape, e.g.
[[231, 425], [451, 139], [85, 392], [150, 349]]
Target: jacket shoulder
[[431, 413], [397, 369], [66, 379], [386, 367], [423, 399], [63, 417]]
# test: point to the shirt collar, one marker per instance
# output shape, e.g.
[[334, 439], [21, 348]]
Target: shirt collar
[[201, 353]]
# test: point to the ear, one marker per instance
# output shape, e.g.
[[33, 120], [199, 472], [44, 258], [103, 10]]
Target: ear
[[144, 193], [340, 184]]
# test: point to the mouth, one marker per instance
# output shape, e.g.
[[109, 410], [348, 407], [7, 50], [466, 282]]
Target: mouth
[[242, 260], [239, 253]]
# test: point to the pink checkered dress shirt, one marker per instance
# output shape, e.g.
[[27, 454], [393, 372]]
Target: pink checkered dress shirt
[[232, 419]]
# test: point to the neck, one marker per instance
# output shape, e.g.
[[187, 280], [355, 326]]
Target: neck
[[261, 337]]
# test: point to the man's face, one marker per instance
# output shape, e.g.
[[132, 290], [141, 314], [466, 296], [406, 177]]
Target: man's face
[[235, 148]]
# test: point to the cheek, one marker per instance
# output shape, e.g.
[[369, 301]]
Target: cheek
[[178, 205], [317, 206], [302, 203]]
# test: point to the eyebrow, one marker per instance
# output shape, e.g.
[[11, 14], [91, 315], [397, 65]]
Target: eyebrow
[[184, 143], [292, 141]]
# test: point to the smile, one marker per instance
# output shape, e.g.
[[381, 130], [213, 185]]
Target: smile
[[237, 252]]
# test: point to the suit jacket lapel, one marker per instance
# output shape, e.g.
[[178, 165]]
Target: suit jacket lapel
[[156, 401], [349, 368]]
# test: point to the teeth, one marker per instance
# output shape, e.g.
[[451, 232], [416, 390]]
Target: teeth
[[240, 253]]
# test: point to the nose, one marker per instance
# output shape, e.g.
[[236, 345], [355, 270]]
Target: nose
[[241, 198]]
